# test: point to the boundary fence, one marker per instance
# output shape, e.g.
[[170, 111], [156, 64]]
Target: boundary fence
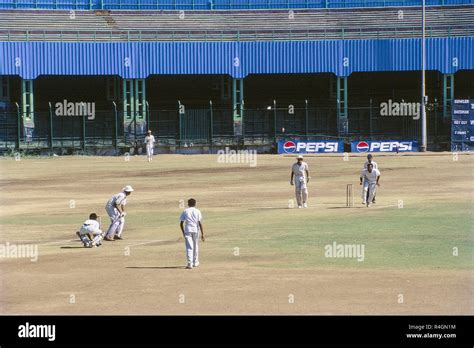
[[209, 126]]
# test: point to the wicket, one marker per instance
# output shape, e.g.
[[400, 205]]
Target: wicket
[[349, 196]]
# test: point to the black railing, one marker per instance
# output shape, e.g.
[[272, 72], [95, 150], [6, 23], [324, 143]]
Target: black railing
[[231, 35], [210, 126]]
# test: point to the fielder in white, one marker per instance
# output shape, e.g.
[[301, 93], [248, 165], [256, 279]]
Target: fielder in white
[[375, 166], [190, 224], [115, 208], [90, 233], [150, 145], [369, 179], [300, 178]]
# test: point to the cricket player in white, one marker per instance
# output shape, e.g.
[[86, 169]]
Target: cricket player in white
[[190, 224], [369, 179], [369, 160], [115, 208], [375, 166], [150, 145], [300, 178], [90, 233]]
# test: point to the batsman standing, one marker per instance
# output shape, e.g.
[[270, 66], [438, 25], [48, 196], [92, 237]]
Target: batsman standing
[[150, 145], [369, 179], [190, 224], [300, 178], [115, 208]]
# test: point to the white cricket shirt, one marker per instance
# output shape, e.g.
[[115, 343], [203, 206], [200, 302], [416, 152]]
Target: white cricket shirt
[[300, 171], [119, 198], [371, 178], [375, 166], [149, 140], [191, 216]]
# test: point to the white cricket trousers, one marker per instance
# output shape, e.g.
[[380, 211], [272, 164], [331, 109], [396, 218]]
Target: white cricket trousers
[[301, 190], [96, 234], [116, 222], [368, 191], [191, 240], [149, 151]]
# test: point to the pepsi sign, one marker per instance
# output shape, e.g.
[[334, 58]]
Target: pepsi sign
[[309, 146], [289, 146], [384, 146], [362, 146]]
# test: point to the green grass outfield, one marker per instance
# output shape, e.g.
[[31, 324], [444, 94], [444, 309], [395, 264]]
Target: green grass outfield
[[247, 208]]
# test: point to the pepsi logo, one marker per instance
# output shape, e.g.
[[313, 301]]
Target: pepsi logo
[[362, 146], [289, 146]]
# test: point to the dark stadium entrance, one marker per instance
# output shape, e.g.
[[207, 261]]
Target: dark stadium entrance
[[282, 105], [188, 110], [183, 107], [371, 97], [77, 111]]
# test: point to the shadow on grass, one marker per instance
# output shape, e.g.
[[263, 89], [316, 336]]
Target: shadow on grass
[[269, 208], [73, 247], [310, 206], [156, 267], [364, 207]]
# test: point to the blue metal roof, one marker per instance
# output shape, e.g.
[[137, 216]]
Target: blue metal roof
[[238, 59]]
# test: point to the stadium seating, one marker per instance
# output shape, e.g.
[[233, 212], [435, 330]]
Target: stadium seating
[[249, 25], [214, 4]]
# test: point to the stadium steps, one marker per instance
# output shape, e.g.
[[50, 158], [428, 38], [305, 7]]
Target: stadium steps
[[105, 25], [105, 15]]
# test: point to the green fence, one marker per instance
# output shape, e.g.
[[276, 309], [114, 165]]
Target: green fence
[[210, 126]]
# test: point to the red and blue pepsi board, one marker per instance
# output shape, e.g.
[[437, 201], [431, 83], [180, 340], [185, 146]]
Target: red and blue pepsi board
[[309, 146], [362, 146]]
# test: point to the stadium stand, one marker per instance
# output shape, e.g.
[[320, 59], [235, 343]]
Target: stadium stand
[[361, 23], [214, 4]]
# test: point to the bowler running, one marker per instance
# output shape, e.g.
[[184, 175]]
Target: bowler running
[[369, 179]]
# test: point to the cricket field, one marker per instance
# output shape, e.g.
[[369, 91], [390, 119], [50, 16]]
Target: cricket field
[[412, 253]]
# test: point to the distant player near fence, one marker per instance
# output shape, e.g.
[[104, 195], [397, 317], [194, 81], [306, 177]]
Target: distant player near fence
[[150, 145]]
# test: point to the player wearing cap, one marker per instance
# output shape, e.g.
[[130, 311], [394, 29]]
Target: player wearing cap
[[375, 166], [190, 224], [369, 179], [90, 233], [150, 144], [300, 178], [115, 208]]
